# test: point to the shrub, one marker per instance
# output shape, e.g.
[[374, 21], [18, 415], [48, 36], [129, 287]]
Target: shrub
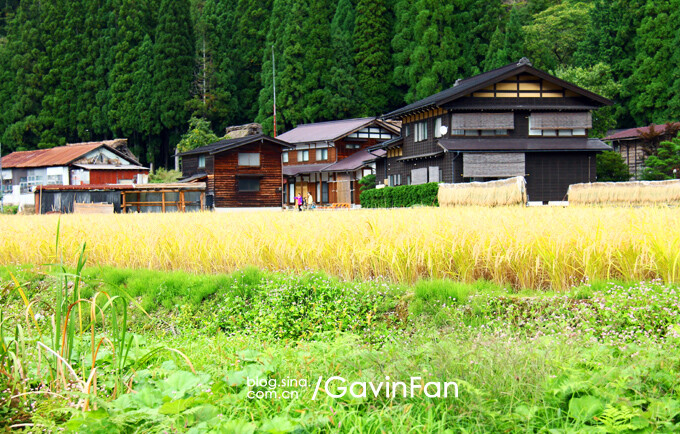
[[367, 183], [10, 209], [403, 196], [611, 167]]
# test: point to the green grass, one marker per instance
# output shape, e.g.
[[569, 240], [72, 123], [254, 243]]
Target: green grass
[[601, 357]]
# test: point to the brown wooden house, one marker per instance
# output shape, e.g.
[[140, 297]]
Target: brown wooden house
[[329, 158], [511, 121], [243, 172], [635, 144]]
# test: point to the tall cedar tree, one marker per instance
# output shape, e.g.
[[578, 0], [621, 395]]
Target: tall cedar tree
[[248, 42], [343, 81], [507, 44], [29, 63], [213, 89], [60, 23], [403, 44], [131, 63], [372, 36], [280, 17], [94, 67], [173, 68], [448, 42]]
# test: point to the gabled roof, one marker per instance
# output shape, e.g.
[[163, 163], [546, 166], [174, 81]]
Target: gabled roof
[[355, 161], [480, 81], [58, 156], [303, 168], [634, 133], [332, 130], [228, 144]]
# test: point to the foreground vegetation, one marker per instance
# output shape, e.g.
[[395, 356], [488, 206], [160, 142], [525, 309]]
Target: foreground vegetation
[[553, 248], [146, 351]]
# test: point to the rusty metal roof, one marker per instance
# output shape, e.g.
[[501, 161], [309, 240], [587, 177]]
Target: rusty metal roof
[[634, 133], [15, 159], [58, 156]]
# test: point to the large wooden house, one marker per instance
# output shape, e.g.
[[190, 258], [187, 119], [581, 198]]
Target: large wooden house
[[327, 159], [244, 172], [511, 121]]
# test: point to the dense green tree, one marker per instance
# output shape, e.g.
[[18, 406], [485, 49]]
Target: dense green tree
[[343, 82], [611, 167], [248, 42], [665, 164], [553, 36], [650, 84], [199, 134], [173, 68], [600, 80], [507, 44], [403, 45], [372, 36], [29, 64]]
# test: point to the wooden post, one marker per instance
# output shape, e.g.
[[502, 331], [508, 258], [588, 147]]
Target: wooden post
[[181, 200], [124, 210], [163, 199], [203, 201]]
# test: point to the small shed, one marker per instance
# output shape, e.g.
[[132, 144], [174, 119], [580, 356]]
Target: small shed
[[125, 198]]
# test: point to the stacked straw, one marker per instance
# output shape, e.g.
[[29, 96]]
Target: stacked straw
[[511, 191], [626, 193]]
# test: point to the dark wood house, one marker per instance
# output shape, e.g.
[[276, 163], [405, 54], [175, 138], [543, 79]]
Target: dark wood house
[[328, 159], [511, 121], [635, 144], [244, 172]]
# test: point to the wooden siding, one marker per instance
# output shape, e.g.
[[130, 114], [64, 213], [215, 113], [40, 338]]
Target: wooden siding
[[227, 172], [549, 174], [190, 165], [524, 86]]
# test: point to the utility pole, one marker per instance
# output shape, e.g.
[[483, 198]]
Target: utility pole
[[274, 82]]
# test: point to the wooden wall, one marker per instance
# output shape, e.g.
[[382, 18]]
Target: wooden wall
[[549, 174], [113, 176], [227, 171]]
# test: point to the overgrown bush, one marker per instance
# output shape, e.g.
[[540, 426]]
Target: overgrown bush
[[10, 209], [402, 196]]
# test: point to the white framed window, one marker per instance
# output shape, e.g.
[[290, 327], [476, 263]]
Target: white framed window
[[421, 131], [284, 157], [201, 161], [248, 159], [579, 131], [407, 130], [457, 132], [438, 127], [321, 154], [565, 133], [303, 156]]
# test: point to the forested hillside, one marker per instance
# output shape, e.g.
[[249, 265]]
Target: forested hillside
[[77, 70]]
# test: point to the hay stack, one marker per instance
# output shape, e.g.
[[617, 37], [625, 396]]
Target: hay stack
[[511, 191], [625, 193]]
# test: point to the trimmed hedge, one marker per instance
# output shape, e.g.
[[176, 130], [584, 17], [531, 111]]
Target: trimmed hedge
[[402, 196]]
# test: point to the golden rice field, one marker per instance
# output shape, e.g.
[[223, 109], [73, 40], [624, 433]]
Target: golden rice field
[[522, 247]]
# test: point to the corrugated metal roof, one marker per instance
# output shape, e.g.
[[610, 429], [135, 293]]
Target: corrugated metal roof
[[322, 131], [532, 144], [126, 187], [355, 161], [59, 156], [16, 158], [634, 133]]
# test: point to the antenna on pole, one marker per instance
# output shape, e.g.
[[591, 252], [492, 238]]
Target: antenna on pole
[[274, 81]]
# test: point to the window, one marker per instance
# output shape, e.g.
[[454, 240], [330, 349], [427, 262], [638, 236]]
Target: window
[[248, 184], [407, 130], [457, 132], [438, 127], [324, 192], [248, 159], [285, 157], [395, 180], [408, 179], [201, 161], [543, 125], [321, 154], [353, 146], [303, 156], [54, 180], [421, 131]]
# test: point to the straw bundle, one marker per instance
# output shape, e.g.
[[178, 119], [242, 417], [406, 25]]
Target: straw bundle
[[625, 193], [511, 191]]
